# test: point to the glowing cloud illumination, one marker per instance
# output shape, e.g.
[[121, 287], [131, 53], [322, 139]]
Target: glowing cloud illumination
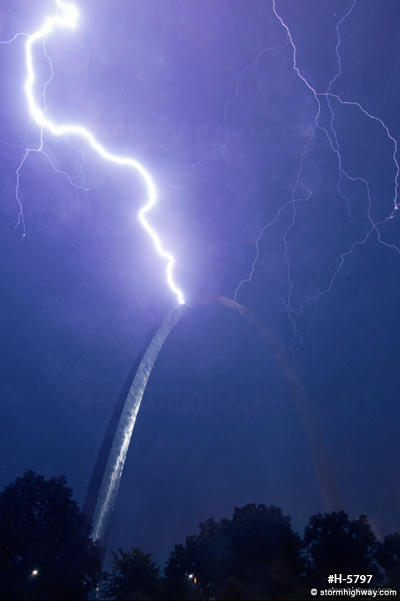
[[67, 17]]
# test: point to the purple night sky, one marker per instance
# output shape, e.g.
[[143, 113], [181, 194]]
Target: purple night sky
[[241, 147]]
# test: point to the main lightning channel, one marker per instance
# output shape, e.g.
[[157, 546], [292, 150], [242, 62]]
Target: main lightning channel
[[67, 17]]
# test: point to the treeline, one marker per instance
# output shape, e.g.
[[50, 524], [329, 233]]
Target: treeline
[[256, 555], [46, 553]]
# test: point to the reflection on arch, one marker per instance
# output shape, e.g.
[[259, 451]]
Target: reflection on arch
[[103, 488]]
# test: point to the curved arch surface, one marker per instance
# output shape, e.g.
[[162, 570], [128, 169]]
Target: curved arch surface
[[103, 488]]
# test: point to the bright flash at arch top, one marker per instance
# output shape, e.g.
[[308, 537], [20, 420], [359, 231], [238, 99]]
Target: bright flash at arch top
[[67, 17]]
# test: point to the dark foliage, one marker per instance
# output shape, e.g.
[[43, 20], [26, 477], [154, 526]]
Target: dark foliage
[[177, 584], [336, 545], [388, 556], [256, 555], [134, 576], [42, 528]]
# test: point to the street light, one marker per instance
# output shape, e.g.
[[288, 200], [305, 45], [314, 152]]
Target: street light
[[34, 584], [193, 587]]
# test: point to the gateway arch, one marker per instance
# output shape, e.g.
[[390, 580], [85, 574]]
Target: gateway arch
[[103, 487]]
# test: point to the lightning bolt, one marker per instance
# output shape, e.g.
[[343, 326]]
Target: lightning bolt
[[301, 194], [67, 17]]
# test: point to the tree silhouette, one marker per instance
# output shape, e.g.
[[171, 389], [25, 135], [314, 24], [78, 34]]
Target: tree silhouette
[[134, 575], [254, 555], [388, 556], [45, 547], [178, 585], [336, 545]]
